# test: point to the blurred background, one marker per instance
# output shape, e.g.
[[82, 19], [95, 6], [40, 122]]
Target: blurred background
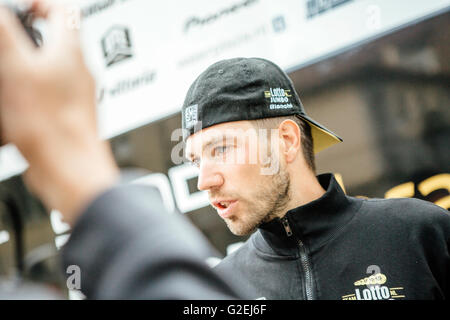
[[375, 72]]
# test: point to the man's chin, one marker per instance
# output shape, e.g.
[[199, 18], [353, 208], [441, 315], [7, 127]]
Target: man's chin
[[239, 230]]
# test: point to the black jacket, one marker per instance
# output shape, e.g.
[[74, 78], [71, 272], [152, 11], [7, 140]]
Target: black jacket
[[340, 247]]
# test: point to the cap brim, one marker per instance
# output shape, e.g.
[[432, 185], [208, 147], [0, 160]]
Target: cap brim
[[322, 137]]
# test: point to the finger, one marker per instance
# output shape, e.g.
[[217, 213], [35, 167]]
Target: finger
[[63, 22], [39, 8], [13, 38]]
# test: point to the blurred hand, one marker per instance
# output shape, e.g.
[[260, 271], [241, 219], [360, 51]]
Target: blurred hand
[[47, 109]]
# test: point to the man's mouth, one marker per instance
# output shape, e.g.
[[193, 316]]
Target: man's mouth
[[224, 207]]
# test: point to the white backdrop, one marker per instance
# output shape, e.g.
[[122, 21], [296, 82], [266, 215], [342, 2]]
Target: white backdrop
[[157, 48]]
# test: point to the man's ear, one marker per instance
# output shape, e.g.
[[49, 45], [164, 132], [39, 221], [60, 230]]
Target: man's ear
[[290, 139]]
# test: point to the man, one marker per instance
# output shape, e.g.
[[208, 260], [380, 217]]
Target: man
[[310, 240], [123, 242]]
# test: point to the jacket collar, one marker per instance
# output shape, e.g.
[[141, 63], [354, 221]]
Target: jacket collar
[[314, 223]]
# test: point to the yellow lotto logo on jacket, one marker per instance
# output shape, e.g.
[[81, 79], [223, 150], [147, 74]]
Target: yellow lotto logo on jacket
[[375, 289]]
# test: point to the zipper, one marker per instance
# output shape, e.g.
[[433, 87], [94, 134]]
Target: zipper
[[304, 259], [307, 268], [286, 226]]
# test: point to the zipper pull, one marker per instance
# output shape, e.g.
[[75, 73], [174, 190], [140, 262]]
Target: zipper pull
[[286, 226]]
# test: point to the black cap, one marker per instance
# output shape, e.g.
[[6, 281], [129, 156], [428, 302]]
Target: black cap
[[246, 89]]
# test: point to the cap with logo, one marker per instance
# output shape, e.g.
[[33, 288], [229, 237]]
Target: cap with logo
[[246, 89]]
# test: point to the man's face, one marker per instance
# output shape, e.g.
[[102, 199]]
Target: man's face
[[237, 169]]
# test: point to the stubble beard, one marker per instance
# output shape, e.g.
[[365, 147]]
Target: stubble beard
[[269, 201]]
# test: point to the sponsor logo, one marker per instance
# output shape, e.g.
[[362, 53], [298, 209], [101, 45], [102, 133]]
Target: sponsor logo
[[226, 44], [279, 24], [126, 85], [98, 7], [279, 98], [201, 21], [378, 278], [316, 7], [376, 288], [116, 45], [191, 115]]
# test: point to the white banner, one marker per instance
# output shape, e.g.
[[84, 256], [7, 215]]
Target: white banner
[[145, 54]]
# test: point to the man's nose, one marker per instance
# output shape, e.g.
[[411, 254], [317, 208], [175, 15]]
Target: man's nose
[[209, 177]]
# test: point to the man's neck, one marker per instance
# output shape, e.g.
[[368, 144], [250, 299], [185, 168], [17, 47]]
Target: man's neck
[[304, 188]]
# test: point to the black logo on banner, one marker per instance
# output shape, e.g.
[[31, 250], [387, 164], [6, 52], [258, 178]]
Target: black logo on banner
[[278, 24], [126, 85], [202, 21], [116, 45], [98, 7], [316, 7]]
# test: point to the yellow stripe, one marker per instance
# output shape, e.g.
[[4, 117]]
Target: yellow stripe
[[405, 190], [443, 202], [440, 181]]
